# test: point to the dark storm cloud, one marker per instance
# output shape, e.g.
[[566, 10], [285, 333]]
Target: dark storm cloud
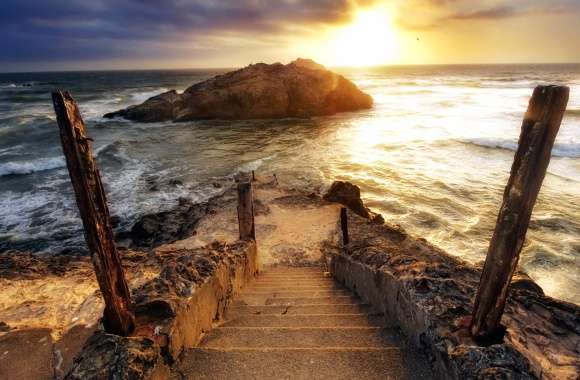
[[101, 29]]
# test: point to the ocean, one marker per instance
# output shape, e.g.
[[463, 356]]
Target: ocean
[[432, 155]]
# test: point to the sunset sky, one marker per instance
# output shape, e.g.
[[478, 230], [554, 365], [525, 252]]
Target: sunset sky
[[125, 34]]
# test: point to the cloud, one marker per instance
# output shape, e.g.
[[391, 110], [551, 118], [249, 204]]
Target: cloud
[[103, 29], [40, 31], [431, 14], [486, 14]]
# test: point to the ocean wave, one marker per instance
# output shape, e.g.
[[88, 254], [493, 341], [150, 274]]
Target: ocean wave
[[43, 164], [569, 150], [255, 164], [10, 149], [29, 167], [140, 97]]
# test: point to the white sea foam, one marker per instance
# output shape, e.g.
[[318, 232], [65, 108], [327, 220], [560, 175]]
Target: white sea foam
[[256, 164], [571, 150], [140, 97], [38, 165], [28, 167]]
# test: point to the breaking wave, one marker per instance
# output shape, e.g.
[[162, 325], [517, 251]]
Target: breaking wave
[[29, 167], [570, 150], [42, 164]]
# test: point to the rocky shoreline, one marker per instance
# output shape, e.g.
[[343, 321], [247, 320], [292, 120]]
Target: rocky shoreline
[[424, 290]]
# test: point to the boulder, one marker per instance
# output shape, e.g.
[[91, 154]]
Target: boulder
[[301, 88], [348, 195], [168, 226]]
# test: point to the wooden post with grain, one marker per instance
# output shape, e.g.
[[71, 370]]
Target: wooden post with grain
[[344, 225], [246, 211], [92, 203], [539, 129]]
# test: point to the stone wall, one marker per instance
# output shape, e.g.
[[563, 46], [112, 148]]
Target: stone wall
[[173, 312], [429, 294]]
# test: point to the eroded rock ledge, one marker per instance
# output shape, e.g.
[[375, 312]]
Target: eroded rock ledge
[[429, 294], [173, 310], [301, 88]]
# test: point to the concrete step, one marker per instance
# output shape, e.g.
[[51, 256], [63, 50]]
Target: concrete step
[[296, 293], [303, 320], [291, 287], [300, 279], [293, 278], [264, 300], [300, 270], [300, 337], [238, 309], [318, 274], [330, 300], [295, 364]]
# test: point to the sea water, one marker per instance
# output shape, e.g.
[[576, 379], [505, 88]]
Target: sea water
[[432, 155]]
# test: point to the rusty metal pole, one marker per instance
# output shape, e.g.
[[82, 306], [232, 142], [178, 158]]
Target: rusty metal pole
[[92, 203], [344, 225], [539, 129], [246, 211]]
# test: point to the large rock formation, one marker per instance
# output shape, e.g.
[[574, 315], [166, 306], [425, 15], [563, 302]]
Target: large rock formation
[[302, 88]]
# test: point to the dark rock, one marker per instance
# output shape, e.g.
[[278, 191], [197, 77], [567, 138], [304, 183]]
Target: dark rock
[[299, 89], [348, 195], [4, 327], [178, 223], [158, 108], [521, 281], [19, 265], [115, 221], [108, 356]]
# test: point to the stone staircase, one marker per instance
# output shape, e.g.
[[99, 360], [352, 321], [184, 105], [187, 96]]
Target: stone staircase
[[298, 323]]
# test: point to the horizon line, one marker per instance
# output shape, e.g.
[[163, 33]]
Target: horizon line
[[219, 68]]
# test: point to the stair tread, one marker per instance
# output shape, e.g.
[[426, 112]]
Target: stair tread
[[296, 293], [237, 309], [313, 320], [266, 363], [300, 337], [297, 323]]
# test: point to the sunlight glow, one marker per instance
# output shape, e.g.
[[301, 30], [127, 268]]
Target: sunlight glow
[[369, 41]]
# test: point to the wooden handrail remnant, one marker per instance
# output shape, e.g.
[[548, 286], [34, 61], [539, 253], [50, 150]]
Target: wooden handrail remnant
[[246, 211], [539, 129], [92, 203]]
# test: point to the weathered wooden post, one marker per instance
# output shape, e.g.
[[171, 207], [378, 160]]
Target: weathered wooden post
[[246, 211], [540, 126], [344, 225], [92, 203]]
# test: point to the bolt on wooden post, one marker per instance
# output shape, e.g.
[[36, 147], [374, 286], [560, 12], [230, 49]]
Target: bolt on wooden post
[[246, 211], [539, 129], [92, 203]]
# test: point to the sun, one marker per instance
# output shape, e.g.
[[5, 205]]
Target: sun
[[370, 40]]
